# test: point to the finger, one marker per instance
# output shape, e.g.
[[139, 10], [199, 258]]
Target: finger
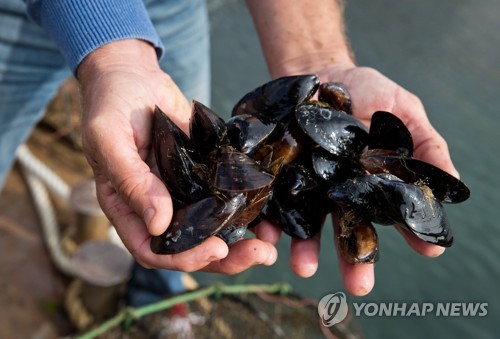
[[429, 146], [358, 279], [420, 246], [434, 150], [211, 250], [304, 256], [243, 255], [268, 232], [117, 159]]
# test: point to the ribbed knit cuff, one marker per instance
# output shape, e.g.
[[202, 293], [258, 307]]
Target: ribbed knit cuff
[[80, 26]]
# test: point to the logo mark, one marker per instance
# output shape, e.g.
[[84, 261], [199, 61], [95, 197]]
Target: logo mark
[[332, 308]]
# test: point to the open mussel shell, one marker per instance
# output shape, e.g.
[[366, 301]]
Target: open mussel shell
[[177, 159], [388, 132], [336, 95], [194, 223], [444, 186], [276, 100], [207, 129], [335, 131]]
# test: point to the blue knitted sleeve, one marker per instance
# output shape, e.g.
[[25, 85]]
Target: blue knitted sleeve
[[80, 26]]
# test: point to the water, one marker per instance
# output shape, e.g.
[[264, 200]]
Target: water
[[447, 53]]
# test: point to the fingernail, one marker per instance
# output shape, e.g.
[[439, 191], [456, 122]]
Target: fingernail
[[148, 215], [435, 252]]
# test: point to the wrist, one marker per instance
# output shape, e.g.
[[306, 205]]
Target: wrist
[[122, 55], [314, 63]]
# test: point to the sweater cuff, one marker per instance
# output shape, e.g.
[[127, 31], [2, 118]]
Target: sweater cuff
[[79, 27]]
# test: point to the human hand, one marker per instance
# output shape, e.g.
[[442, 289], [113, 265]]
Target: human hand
[[121, 83], [371, 92]]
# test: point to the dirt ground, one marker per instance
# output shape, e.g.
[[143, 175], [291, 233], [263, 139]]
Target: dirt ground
[[31, 289]]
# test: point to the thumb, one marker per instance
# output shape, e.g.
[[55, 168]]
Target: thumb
[[117, 163]]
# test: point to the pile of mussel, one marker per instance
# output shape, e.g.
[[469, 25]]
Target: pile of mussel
[[293, 160]]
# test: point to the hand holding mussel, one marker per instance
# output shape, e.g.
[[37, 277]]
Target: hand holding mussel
[[293, 160]]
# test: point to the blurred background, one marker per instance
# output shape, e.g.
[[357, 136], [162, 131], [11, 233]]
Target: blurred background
[[446, 52]]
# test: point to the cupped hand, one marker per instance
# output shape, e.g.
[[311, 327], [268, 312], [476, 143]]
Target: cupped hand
[[371, 91], [121, 83]]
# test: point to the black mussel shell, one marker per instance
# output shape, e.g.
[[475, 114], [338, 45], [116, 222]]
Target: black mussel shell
[[207, 129], [298, 204], [357, 244], [332, 168], [336, 95], [286, 147], [232, 235], [277, 99], [179, 163], [297, 222], [338, 133], [444, 186], [248, 133], [236, 172], [363, 196], [418, 211], [256, 201], [385, 199], [388, 132], [297, 178], [194, 223]]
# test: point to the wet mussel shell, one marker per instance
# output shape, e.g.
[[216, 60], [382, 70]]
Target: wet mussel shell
[[298, 204], [444, 186], [359, 244], [388, 132], [385, 199], [177, 157], [207, 127], [232, 235], [364, 196], [335, 131], [415, 208], [193, 224], [335, 95], [334, 169], [248, 133], [236, 172], [277, 99]]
